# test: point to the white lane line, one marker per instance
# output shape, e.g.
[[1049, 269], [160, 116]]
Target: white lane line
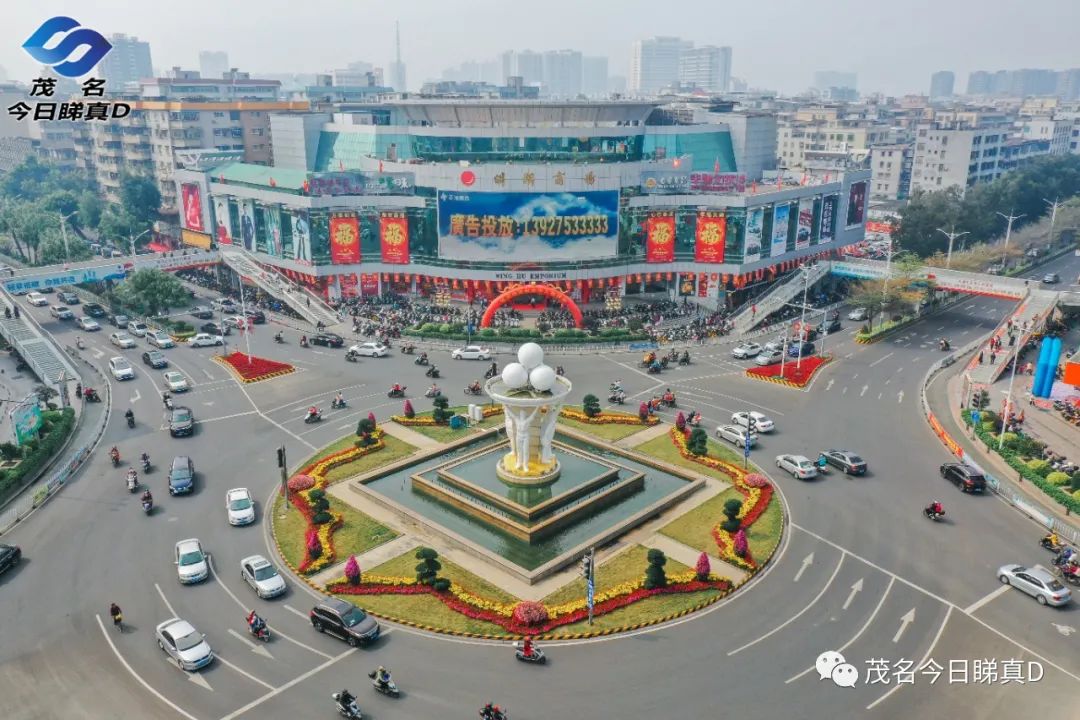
[[98, 354], [881, 359], [1001, 590], [270, 420], [224, 417], [302, 402], [282, 688], [864, 389], [243, 672], [131, 671], [922, 662], [294, 611], [796, 616], [136, 397], [207, 374], [165, 600]]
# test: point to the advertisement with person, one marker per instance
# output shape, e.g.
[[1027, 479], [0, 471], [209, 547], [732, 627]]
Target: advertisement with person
[[687, 284], [394, 238], [273, 231], [191, 199], [350, 285], [247, 224], [221, 216], [755, 219], [301, 235], [806, 223], [828, 218], [856, 208], [711, 236], [781, 215], [26, 421], [660, 238], [344, 238], [493, 226]]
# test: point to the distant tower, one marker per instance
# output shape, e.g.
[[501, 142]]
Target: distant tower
[[397, 68]]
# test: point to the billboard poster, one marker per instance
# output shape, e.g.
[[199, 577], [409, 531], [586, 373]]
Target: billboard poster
[[191, 197], [711, 236], [856, 208], [755, 220], [194, 239], [350, 286], [828, 218], [369, 284], [26, 420], [360, 183], [806, 223], [779, 230], [344, 238], [718, 182], [301, 234], [221, 215], [273, 231], [655, 182], [660, 238], [394, 238], [511, 226], [687, 284], [247, 223]]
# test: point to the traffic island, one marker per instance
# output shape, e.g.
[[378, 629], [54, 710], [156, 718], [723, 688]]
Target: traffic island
[[252, 369], [794, 375]]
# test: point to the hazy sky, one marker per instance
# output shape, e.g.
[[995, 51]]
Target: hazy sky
[[776, 43]]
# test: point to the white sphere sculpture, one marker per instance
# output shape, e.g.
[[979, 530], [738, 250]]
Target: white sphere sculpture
[[542, 378], [530, 355], [515, 375]]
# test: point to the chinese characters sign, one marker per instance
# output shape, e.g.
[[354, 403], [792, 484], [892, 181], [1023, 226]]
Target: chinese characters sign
[[718, 182], [358, 183], [711, 235], [509, 226], [394, 238], [660, 238], [69, 110], [344, 239], [828, 218]]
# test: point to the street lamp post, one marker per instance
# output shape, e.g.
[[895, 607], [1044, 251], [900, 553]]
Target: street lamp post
[[134, 239], [802, 316], [1053, 216], [953, 235], [1008, 231], [63, 231], [1008, 394]]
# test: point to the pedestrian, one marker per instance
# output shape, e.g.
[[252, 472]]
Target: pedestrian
[[753, 310], [78, 390], [980, 357], [993, 356], [17, 313]]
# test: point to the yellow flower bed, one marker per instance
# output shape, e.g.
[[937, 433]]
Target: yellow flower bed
[[606, 418]]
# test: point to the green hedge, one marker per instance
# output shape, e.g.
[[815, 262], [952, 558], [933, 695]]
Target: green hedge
[[56, 426], [1017, 463]]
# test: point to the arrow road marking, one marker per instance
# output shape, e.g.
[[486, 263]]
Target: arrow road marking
[[1065, 630], [97, 353], [864, 389], [906, 620], [879, 395], [135, 398], [829, 386], [199, 680], [255, 647], [900, 396], [851, 596], [807, 562], [855, 376]]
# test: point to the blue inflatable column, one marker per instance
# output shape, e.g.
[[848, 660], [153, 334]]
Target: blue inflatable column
[[1040, 368]]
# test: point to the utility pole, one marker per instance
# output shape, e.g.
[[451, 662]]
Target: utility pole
[[952, 238], [134, 240], [1053, 216], [1008, 232], [63, 231], [284, 474], [246, 329], [1008, 395]]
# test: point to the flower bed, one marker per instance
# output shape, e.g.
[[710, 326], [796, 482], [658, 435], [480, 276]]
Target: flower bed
[[606, 418], [250, 369], [425, 419], [793, 376]]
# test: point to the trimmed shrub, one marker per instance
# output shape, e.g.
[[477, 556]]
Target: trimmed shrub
[[590, 405], [698, 442], [655, 577], [321, 518], [440, 414], [1041, 467], [1075, 482], [300, 482], [352, 570], [408, 410], [314, 547], [731, 511], [441, 585], [528, 612], [739, 545], [317, 494], [1058, 478], [321, 505], [703, 567], [427, 570], [756, 480]]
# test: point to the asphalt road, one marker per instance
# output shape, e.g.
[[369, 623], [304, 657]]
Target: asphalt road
[[860, 571]]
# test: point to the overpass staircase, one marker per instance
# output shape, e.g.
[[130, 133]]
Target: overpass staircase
[[755, 312], [310, 306]]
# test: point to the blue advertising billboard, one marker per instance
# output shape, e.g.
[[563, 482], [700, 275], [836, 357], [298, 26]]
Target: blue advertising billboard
[[25, 421], [540, 226]]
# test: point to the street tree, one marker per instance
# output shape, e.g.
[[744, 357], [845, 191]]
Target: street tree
[[141, 198], [90, 209], [153, 291]]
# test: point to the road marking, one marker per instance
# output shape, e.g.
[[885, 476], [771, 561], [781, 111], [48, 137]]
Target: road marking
[[319, 352], [829, 386], [207, 374], [864, 389], [282, 688], [907, 619], [153, 691], [226, 417], [807, 562], [243, 672], [165, 600], [1001, 590], [97, 353], [855, 589], [1065, 630], [255, 647], [796, 616], [925, 657], [136, 397], [294, 611], [900, 396], [302, 402], [209, 403], [198, 679], [881, 359], [879, 395]]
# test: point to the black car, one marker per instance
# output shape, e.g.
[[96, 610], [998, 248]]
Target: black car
[[181, 422], [828, 327], [181, 475], [120, 320], [154, 359], [808, 349], [344, 620], [9, 556], [327, 339], [257, 316], [214, 328], [845, 460], [968, 479], [202, 312], [68, 298], [93, 310]]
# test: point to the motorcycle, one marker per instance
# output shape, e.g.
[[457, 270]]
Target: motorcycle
[[148, 506], [146, 464], [279, 339], [537, 655], [559, 371], [432, 372], [131, 421], [490, 373], [431, 393], [1068, 572], [470, 390], [132, 482], [312, 418], [350, 356], [945, 346], [408, 349], [303, 342], [115, 457], [694, 420], [1045, 542], [260, 631], [617, 398], [80, 344], [91, 395], [400, 393], [336, 404], [352, 710], [390, 688], [655, 368], [684, 359], [933, 515], [420, 360], [672, 403]]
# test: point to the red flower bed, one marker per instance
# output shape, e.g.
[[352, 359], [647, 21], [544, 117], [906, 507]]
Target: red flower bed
[[253, 369], [797, 376]]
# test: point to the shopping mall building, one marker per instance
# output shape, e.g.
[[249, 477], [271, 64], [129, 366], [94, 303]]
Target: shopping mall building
[[467, 197]]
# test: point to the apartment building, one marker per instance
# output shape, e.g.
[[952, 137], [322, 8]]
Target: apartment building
[[949, 154], [848, 141], [1055, 131], [891, 165]]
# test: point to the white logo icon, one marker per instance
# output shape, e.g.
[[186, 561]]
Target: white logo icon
[[826, 662], [831, 664], [845, 675]]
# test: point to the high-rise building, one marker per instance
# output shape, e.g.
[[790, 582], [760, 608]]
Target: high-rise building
[[706, 68], [941, 84], [654, 63], [358, 74], [213, 64], [397, 68], [128, 62], [562, 73], [1068, 84], [828, 79], [594, 76], [979, 83]]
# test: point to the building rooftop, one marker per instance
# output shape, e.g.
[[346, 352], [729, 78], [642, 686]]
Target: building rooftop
[[484, 112]]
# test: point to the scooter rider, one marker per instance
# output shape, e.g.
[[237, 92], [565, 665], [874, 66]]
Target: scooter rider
[[935, 508], [130, 415], [382, 677], [114, 454], [147, 496], [278, 337], [312, 412], [345, 699], [339, 399], [527, 647], [475, 387], [303, 341], [255, 623]]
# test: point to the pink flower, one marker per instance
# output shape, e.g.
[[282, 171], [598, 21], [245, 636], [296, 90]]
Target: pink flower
[[352, 570]]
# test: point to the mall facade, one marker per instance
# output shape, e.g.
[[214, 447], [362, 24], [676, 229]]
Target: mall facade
[[468, 197]]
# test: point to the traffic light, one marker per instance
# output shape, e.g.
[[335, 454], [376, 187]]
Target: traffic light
[[281, 456], [980, 399], [586, 567], [751, 424]]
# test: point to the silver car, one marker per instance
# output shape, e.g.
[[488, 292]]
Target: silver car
[[799, 466], [746, 350], [736, 435], [1037, 582], [184, 644], [262, 576]]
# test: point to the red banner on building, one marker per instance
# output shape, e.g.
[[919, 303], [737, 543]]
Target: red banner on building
[[394, 238], [350, 287], [711, 236], [660, 238], [344, 239], [369, 284]]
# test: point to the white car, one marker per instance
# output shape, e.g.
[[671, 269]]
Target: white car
[[736, 435], [206, 339], [799, 466], [745, 350], [773, 345], [239, 506], [137, 328], [191, 565], [61, 312], [471, 352], [761, 422], [370, 349], [184, 644], [37, 299], [225, 305], [159, 339], [122, 340], [175, 381], [768, 357], [121, 369], [857, 315], [262, 576], [88, 323]]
